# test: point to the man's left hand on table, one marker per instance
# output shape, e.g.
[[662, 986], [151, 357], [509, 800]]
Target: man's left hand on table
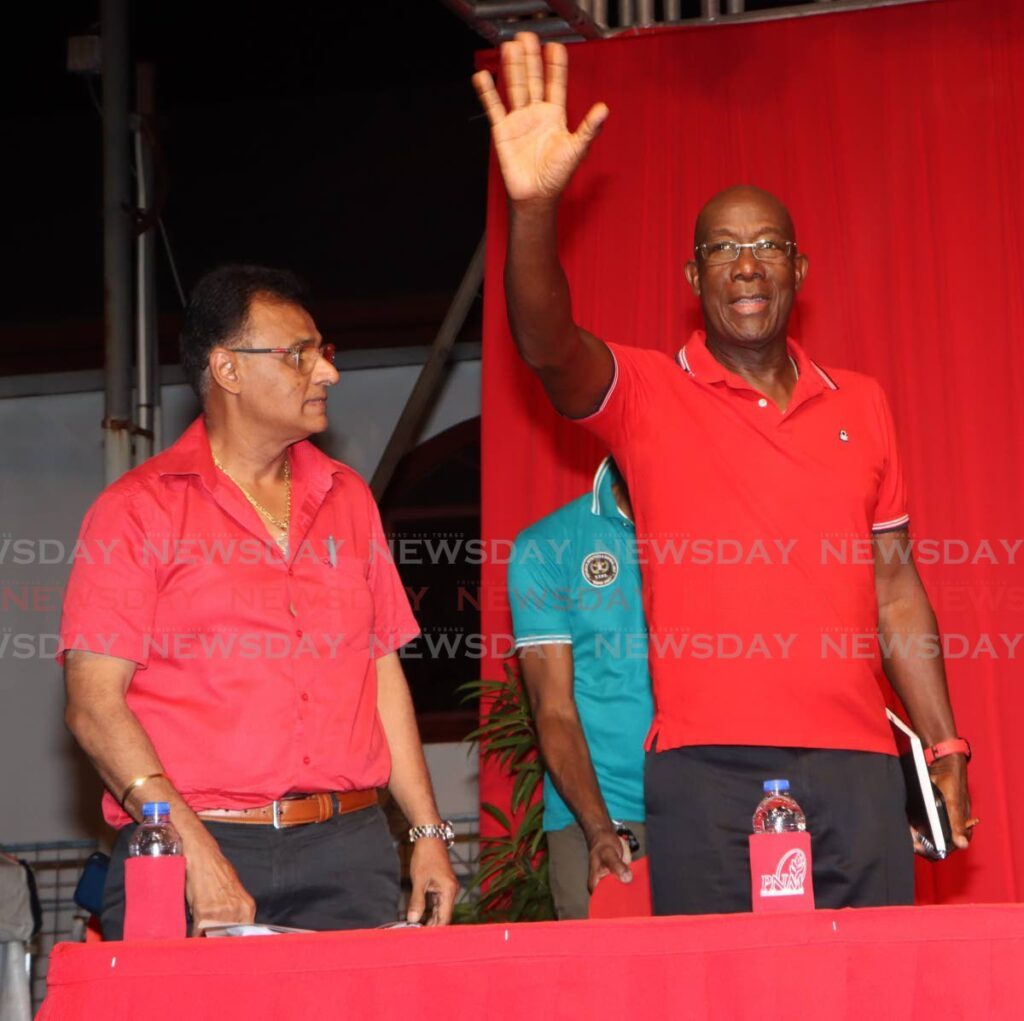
[[431, 874]]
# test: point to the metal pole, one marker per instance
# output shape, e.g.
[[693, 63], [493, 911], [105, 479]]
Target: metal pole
[[710, 9], [734, 6], [423, 393], [147, 385], [117, 240]]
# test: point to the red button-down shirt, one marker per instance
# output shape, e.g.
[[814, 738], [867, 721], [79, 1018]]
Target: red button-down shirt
[[256, 672], [754, 528]]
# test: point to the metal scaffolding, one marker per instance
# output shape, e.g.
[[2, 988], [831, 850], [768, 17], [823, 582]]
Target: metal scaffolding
[[576, 20]]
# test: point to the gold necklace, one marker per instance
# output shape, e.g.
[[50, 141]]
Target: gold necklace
[[283, 526]]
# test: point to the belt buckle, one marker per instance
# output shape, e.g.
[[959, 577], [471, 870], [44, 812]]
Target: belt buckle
[[276, 809]]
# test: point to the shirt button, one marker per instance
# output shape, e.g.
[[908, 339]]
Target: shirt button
[[305, 760], [305, 696], [298, 632], [762, 403], [291, 571]]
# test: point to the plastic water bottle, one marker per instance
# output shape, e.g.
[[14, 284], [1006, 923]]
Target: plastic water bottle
[[154, 878], [155, 836], [778, 812]]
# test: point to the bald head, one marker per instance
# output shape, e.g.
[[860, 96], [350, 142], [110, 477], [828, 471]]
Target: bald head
[[719, 209], [747, 296]]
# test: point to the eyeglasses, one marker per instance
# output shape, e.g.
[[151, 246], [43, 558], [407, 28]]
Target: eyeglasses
[[303, 356], [717, 253]]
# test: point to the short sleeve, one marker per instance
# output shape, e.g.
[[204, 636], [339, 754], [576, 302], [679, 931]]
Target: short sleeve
[[627, 402], [110, 600], [537, 595], [891, 511], [393, 622]]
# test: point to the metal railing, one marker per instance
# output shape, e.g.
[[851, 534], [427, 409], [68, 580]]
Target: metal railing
[[57, 866], [576, 20]]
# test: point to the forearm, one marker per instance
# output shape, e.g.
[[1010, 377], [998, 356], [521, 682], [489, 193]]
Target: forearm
[[563, 748], [99, 717], [536, 288], [410, 780], [121, 751], [912, 659]]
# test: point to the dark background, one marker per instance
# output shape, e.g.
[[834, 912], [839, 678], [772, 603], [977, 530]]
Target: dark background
[[342, 140]]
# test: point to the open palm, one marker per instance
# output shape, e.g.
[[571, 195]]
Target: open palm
[[536, 151]]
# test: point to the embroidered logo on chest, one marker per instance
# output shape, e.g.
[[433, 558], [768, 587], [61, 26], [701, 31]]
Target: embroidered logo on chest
[[600, 569]]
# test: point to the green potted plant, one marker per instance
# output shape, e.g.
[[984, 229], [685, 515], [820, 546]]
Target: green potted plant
[[511, 884]]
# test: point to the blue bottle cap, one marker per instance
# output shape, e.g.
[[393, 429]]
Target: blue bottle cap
[[156, 808], [771, 786]]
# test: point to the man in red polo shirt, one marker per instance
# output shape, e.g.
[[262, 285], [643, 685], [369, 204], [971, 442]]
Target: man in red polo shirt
[[775, 556], [230, 640]]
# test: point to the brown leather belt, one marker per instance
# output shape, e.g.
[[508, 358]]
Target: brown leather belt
[[295, 809]]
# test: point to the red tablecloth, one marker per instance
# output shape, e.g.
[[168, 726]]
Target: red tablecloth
[[940, 962]]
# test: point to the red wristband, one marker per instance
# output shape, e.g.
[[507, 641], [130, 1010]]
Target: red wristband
[[954, 746]]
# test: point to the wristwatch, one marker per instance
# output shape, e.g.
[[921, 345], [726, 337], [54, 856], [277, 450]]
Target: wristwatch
[[954, 746], [443, 832], [622, 830]]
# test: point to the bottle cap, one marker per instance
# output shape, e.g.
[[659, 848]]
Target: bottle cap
[[771, 786], [156, 808]]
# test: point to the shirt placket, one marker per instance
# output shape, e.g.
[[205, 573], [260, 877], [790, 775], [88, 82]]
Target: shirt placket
[[308, 501]]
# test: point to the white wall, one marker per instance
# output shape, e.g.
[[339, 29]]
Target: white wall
[[51, 470]]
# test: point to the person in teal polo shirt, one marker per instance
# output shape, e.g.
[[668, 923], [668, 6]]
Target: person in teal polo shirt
[[577, 613]]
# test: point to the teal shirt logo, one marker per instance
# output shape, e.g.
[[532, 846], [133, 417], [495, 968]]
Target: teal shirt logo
[[600, 569]]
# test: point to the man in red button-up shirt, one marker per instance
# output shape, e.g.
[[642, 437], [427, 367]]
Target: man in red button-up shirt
[[230, 641], [779, 469]]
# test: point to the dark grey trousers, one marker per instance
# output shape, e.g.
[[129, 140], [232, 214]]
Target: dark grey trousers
[[700, 803], [339, 874]]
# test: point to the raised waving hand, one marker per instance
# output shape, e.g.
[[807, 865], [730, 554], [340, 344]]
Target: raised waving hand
[[536, 151]]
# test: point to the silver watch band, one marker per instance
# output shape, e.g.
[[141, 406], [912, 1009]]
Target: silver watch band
[[443, 832]]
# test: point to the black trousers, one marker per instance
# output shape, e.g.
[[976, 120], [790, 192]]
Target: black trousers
[[700, 803], [339, 874]]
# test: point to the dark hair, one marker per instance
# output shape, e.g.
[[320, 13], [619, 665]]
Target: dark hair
[[218, 310]]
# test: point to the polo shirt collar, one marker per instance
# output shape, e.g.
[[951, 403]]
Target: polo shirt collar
[[695, 358], [603, 502]]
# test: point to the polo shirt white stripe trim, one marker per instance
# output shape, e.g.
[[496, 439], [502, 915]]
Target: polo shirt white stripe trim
[[887, 526], [832, 384], [607, 396], [522, 643], [602, 470], [681, 358]]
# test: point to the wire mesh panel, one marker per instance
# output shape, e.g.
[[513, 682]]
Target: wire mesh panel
[[57, 866], [465, 852]]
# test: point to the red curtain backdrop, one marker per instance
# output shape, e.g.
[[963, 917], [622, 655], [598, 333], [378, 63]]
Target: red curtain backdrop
[[895, 137]]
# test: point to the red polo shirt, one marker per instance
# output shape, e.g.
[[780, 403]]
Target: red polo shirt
[[754, 530], [256, 673]]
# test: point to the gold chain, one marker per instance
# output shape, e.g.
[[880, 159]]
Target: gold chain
[[283, 526]]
